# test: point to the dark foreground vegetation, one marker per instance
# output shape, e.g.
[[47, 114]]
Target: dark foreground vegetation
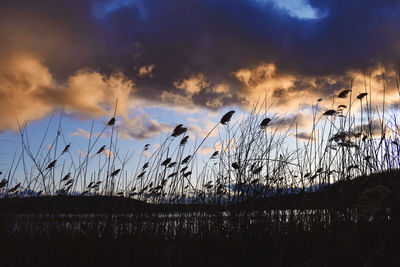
[[269, 238], [298, 229], [332, 198]]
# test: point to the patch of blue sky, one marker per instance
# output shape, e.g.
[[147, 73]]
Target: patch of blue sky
[[296, 8]]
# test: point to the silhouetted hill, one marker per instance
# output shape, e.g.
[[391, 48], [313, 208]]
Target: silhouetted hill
[[377, 190], [373, 191]]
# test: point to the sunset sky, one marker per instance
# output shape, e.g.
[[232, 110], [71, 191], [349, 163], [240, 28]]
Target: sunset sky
[[183, 61]]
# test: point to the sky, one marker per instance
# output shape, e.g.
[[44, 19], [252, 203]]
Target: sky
[[180, 61]]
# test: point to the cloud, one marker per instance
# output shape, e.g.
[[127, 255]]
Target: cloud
[[374, 128], [145, 71], [304, 136], [85, 134], [108, 153], [198, 53], [29, 92], [185, 102], [25, 83], [199, 91], [136, 126], [192, 85], [205, 150], [140, 127], [201, 128], [209, 37], [94, 94], [80, 133]]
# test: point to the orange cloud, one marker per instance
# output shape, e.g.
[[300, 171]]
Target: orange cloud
[[287, 92], [29, 92], [146, 71], [24, 84]]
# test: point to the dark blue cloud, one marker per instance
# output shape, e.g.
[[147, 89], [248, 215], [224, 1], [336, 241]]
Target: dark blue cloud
[[214, 37]]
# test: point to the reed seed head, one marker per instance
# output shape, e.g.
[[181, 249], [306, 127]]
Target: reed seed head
[[227, 117]]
